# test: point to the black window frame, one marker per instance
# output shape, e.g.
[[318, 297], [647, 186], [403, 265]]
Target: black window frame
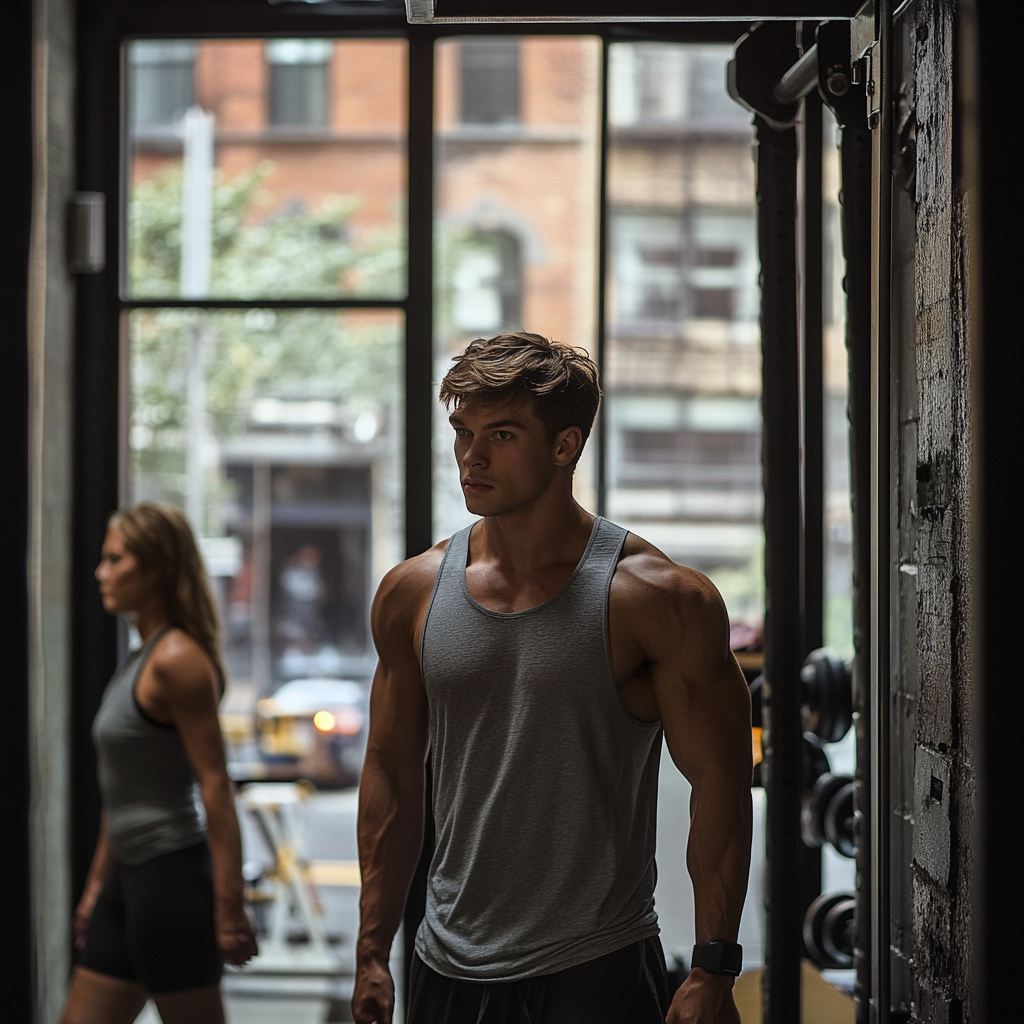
[[102, 305]]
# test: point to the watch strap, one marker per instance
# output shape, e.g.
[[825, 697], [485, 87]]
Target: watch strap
[[719, 957]]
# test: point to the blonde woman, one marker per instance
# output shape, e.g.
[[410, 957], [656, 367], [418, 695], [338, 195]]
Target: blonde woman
[[162, 908]]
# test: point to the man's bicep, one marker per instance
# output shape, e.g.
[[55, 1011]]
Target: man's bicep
[[398, 706], [702, 695]]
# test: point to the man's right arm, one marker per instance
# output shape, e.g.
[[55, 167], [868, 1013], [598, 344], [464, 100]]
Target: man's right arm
[[391, 789]]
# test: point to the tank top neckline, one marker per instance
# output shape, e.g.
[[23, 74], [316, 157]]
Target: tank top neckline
[[464, 564]]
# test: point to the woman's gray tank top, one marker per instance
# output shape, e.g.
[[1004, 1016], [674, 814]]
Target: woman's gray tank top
[[545, 787], [147, 783]]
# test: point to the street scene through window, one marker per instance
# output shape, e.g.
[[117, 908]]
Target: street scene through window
[[271, 175]]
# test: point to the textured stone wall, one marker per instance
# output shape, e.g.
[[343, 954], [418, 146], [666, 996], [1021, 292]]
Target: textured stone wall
[[936, 798]]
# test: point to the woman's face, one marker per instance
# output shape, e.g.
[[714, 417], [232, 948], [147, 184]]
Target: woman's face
[[124, 585]]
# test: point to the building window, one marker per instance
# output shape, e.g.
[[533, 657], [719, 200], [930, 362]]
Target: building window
[[299, 81], [488, 283], [489, 79], [162, 82], [707, 459], [671, 268], [670, 84]]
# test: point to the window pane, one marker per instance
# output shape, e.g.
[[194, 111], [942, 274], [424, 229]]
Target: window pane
[[161, 83], [299, 81], [489, 80], [682, 373], [280, 433], [516, 210], [838, 520], [287, 179]]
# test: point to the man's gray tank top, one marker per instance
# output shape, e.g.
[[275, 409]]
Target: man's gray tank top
[[147, 783], [544, 787]]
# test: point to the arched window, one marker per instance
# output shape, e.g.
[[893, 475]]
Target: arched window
[[487, 283]]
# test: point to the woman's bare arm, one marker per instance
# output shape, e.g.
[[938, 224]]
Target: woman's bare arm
[[99, 870], [187, 690]]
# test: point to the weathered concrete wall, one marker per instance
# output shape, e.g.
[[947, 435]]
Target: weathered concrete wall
[[50, 354], [938, 797]]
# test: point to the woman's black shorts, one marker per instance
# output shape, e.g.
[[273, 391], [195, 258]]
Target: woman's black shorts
[[153, 923]]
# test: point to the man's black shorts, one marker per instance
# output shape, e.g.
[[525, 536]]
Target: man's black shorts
[[153, 924], [628, 986]]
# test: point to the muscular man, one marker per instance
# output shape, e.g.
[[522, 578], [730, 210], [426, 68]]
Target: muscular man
[[540, 656]]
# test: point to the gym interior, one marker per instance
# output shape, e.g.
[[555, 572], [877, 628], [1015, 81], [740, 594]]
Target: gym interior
[[245, 238]]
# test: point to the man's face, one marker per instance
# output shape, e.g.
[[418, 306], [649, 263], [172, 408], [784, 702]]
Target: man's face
[[506, 457]]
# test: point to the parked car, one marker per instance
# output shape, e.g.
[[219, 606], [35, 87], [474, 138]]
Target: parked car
[[314, 729]]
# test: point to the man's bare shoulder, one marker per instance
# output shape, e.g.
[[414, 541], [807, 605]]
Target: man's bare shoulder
[[653, 589], [405, 588]]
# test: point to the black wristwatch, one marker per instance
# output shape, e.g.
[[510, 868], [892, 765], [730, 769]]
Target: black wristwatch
[[718, 957]]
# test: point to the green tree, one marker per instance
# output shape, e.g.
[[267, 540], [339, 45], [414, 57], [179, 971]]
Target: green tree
[[257, 252]]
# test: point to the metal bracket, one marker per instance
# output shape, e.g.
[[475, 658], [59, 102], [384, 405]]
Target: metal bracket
[[86, 235], [841, 76], [762, 58]]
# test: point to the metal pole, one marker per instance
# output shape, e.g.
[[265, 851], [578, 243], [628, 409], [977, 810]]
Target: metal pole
[[419, 391], [811, 297], [602, 284], [259, 594], [777, 209], [812, 386], [881, 468], [419, 326], [856, 226], [196, 259]]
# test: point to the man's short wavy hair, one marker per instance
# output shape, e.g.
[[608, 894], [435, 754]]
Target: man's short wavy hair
[[561, 380]]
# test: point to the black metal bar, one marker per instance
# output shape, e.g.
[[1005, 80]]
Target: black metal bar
[[813, 568], [419, 391], [17, 940], [881, 491], [855, 155], [781, 10], [602, 284], [419, 353], [96, 393], [990, 33], [777, 211], [263, 303]]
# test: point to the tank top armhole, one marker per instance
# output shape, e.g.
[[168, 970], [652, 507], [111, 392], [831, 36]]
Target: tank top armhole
[[146, 651], [607, 630], [433, 597]]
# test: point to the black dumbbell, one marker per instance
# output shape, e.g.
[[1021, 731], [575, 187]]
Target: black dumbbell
[[839, 820], [828, 930], [826, 695], [815, 805]]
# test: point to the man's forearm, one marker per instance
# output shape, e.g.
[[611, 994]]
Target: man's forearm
[[718, 857], [390, 841]]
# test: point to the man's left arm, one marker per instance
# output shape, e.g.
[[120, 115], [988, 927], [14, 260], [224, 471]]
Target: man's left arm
[[704, 703]]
